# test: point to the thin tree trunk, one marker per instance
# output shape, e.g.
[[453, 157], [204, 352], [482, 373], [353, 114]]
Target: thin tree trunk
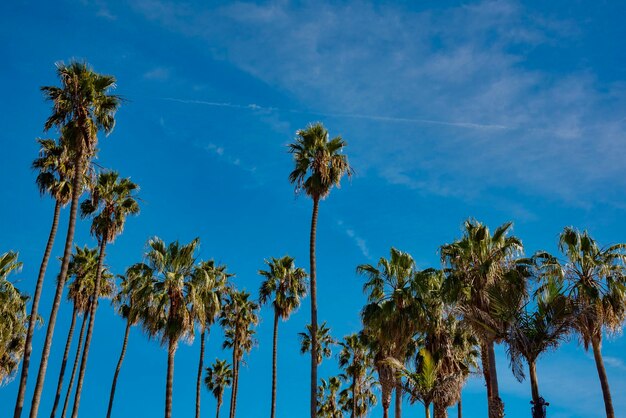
[[484, 359], [67, 252], [32, 320], [200, 367], [354, 392], [534, 383], [169, 387], [604, 381], [427, 411], [118, 368], [386, 411], [496, 406], [219, 405], [274, 365], [459, 408], [92, 319], [233, 394], [75, 367], [314, 343], [398, 411], [66, 354]]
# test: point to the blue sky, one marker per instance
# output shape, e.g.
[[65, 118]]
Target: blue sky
[[499, 110]]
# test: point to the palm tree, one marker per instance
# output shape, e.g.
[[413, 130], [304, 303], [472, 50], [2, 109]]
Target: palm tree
[[324, 340], [355, 360], [132, 302], [421, 381], [83, 268], [474, 265], [169, 316], [238, 317], [209, 287], [81, 107], [358, 402], [13, 318], [54, 174], [391, 317], [593, 277], [114, 198], [319, 165], [218, 377], [328, 404], [286, 283]]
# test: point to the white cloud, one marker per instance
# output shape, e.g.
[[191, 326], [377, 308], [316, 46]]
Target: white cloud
[[157, 74], [360, 242]]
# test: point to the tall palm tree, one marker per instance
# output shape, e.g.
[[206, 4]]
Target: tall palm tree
[[169, 315], [83, 269], [238, 318], [112, 200], [54, 178], [325, 341], [594, 278], [209, 288], [13, 318], [355, 360], [391, 316], [218, 377], [132, 302], [328, 404], [319, 165], [286, 284], [474, 265], [81, 107]]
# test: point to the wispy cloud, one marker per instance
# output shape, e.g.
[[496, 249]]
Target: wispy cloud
[[233, 160], [157, 74], [358, 240]]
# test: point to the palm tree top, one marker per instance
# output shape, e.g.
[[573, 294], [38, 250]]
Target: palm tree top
[[319, 162], [285, 282]]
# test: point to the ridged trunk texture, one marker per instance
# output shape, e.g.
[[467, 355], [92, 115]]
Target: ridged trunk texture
[[496, 406], [398, 411], [92, 319], [66, 354], [199, 377], [32, 321], [67, 252], [484, 359], [118, 368], [440, 410], [169, 386], [314, 342], [604, 380], [75, 367], [274, 365]]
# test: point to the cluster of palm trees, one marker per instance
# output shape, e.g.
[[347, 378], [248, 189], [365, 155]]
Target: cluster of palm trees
[[424, 331]]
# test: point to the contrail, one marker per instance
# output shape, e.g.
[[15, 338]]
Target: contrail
[[342, 115]]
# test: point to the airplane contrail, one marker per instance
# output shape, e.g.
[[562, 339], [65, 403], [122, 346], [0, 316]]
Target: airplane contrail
[[253, 106]]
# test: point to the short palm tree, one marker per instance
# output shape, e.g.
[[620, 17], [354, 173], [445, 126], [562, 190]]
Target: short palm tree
[[209, 293], [319, 165], [170, 316], [13, 318], [286, 284], [83, 269], [218, 377], [594, 278], [421, 381], [239, 316], [354, 359], [474, 265], [112, 200], [132, 301], [358, 402], [328, 404], [82, 106], [324, 340], [54, 178]]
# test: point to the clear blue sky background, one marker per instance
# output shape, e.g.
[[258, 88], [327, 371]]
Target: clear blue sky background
[[499, 110]]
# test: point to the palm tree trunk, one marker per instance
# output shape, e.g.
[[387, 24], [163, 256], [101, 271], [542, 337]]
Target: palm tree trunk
[[169, 387], [199, 378], [496, 406], [233, 394], [398, 412], [92, 319], [32, 320], [534, 384], [118, 368], [314, 343], [75, 367], [385, 411], [67, 252], [484, 359], [354, 392], [66, 354], [440, 410], [274, 365], [604, 381], [219, 405], [427, 411], [459, 408]]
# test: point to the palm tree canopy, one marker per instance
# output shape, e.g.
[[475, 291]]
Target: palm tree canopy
[[328, 403], [218, 377], [324, 340], [54, 166], [13, 318], [114, 196], [210, 285], [239, 316], [285, 282], [319, 163], [83, 269], [135, 293]]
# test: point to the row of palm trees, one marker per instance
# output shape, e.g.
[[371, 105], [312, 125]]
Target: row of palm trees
[[424, 331]]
